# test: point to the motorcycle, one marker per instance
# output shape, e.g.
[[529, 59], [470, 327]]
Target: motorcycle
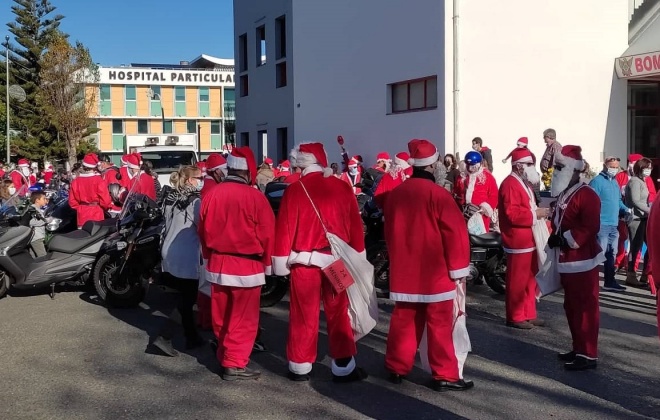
[[70, 256], [488, 261], [129, 256], [276, 286]]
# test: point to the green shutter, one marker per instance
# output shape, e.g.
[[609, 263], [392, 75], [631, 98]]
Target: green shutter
[[129, 92], [180, 109], [204, 109], [131, 108], [216, 141], [105, 92], [117, 142], [106, 108], [155, 109]]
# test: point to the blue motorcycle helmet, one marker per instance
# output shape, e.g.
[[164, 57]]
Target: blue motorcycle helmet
[[473, 158]]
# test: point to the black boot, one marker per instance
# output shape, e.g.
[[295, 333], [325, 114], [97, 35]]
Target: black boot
[[165, 346], [239, 374], [460, 385]]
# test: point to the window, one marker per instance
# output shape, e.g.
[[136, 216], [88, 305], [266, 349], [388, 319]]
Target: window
[[130, 107], [180, 101], [130, 92], [414, 95], [105, 92], [155, 104], [143, 127], [282, 143], [117, 126], [191, 126], [280, 74], [204, 94], [230, 104], [215, 126], [167, 126], [245, 139], [262, 145], [242, 53], [644, 118], [280, 37], [244, 85], [106, 104], [261, 45]]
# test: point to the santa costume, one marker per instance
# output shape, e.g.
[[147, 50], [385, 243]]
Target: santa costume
[[302, 250], [139, 182], [352, 176], [214, 162], [237, 261], [383, 158], [517, 216], [111, 176], [575, 227], [48, 174], [523, 143], [123, 171], [481, 190], [20, 175], [89, 195], [284, 170], [429, 298], [398, 172], [653, 242]]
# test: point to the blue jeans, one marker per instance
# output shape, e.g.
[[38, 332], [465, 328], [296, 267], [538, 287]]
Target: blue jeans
[[608, 238]]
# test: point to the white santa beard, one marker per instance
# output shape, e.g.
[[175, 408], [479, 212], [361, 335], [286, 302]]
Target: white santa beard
[[560, 180], [532, 175]]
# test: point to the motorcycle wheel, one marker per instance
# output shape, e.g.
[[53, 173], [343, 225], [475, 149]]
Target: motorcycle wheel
[[273, 291], [5, 282], [378, 257], [115, 294], [497, 279]]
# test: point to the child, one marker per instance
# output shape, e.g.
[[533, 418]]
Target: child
[[38, 223]]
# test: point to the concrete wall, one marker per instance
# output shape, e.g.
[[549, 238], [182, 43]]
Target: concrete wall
[[346, 53], [526, 66], [266, 107]]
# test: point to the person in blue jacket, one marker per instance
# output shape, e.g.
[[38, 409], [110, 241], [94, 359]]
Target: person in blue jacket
[[611, 209]]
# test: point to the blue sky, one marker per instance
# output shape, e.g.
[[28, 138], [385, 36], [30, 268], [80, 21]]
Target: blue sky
[[143, 31]]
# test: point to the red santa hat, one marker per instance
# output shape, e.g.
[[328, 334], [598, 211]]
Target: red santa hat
[[242, 159], [124, 161], [268, 161], [215, 161], [285, 165], [571, 157], [401, 159], [309, 154], [23, 163], [635, 157], [521, 155], [422, 152], [132, 161], [201, 166], [382, 156], [523, 142], [353, 163], [90, 160]]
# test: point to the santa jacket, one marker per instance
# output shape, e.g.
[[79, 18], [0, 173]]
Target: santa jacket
[[110, 177], [516, 216], [578, 209], [387, 183], [89, 196], [18, 179], [481, 190], [143, 184], [125, 177], [427, 241], [48, 176], [295, 177], [209, 183], [347, 179], [236, 231], [300, 238]]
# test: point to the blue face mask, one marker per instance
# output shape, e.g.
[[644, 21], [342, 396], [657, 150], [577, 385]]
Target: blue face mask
[[199, 185]]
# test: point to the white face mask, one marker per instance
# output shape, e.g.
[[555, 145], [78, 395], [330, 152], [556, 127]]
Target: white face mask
[[353, 171], [612, 171], [12, 190], [531, 175], [646, 172]]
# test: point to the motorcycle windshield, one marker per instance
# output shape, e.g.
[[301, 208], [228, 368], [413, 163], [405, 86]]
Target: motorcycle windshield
[[16, 202], [134, 201]]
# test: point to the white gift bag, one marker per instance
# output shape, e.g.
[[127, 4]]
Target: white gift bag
[[548, 276], [475, 224]]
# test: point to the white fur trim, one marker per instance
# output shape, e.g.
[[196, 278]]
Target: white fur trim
[[280, 266], [488, 210], [311, 169], [88, 174], [425, 161], [23, 165], [300, 368], [526, 159], [518, 251], [268, 270], [571, 241], [132, 166], [472, 179], [581, 266], [236, 280], [343, 371], [314, 258], [223, 167], [237, 163], [402, 163], [577, 165], [409, 297], [459, 274], [87, 165]]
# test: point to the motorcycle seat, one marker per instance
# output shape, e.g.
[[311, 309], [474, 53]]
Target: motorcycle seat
[[487, 240], [73, 242]]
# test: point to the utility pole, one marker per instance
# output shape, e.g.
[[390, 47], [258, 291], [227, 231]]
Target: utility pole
[[7, 93]]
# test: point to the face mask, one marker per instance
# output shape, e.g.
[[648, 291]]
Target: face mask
[[612, 171], [25, 171], [352, 171], [474, 168], [12, 190], [646, 172], [199, 185], [448, 162]]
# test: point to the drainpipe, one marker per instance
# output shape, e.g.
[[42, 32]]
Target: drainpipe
[[455, 76]]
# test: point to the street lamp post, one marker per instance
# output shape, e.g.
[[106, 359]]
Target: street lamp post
[[151, 94], [7, 92]]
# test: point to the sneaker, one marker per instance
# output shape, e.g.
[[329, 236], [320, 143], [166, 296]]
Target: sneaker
[[581, 363], [614, 287], [165, 346]]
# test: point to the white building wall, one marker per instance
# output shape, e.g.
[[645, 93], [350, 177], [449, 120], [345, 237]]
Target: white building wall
[[266, 107], [529, 65], [346, 53]]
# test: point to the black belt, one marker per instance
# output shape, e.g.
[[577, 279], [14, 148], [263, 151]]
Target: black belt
[[253, 257]]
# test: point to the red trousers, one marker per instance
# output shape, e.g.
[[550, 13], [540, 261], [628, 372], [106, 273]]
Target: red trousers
[[204, 319], [235, 313], [582, 312], [308, 287], [621, 253], [521, 286], [406, 330]]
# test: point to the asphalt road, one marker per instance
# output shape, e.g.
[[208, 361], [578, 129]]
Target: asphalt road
[[70, 358]]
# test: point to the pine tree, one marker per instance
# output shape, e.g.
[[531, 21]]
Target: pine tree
[[33, 29]]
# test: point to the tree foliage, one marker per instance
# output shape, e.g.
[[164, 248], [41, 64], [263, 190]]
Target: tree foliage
[[68, 91], [34, 28]]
